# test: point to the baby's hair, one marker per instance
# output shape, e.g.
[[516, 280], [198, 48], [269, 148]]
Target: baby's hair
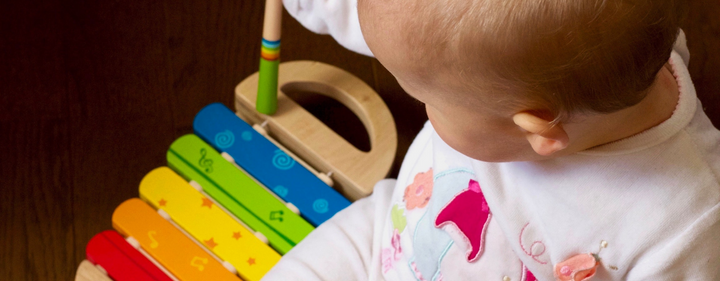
[[556, 56]]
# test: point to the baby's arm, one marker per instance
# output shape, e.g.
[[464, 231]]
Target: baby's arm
[[693, 255], [344, 247], [339, 18]]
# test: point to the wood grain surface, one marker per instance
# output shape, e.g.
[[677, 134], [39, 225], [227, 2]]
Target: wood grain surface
[[92, 93]]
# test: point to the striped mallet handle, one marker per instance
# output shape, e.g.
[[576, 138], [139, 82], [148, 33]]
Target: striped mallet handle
[[269, 58]]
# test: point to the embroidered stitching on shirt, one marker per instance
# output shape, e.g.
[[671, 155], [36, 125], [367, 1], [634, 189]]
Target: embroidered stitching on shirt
[[532, 246], [445, 173]]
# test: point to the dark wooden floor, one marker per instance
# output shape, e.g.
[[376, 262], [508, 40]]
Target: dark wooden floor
[[93, 92]]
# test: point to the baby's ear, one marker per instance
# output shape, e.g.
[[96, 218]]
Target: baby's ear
[[544, 137]]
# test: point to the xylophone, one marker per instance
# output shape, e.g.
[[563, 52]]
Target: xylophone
[[234, 197]]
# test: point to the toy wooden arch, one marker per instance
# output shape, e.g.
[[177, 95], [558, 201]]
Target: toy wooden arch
[[353, 171]]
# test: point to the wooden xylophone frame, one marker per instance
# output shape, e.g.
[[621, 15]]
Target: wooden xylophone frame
[[354, 172]]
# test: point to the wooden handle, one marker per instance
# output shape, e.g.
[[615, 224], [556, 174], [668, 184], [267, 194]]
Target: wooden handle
[[269, 58], [273, 20]]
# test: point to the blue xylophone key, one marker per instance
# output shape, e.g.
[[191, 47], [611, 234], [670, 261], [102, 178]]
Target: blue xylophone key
[[220, 127]]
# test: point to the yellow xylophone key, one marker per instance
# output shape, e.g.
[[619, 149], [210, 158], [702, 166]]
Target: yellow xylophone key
[[199, 216], [180, 255]]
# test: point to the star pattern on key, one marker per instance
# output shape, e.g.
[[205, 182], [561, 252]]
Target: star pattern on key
[[236, 235], [206, 203], [211, 243], [251, 261], [162, 202]]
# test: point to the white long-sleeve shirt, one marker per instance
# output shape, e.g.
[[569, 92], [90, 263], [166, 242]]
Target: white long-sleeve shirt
[[647, 207], [338, 18]]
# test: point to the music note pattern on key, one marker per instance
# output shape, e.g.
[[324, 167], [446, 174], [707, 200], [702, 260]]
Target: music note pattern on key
[[153, 243], [205, 163], [199, 263], [277, 215]]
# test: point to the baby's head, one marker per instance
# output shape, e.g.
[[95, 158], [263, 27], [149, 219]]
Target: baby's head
[[501, 78]]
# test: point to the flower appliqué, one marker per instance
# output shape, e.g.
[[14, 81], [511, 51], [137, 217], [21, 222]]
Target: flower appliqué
[[397, 215], [392, 254], [580, 267], [417, 194]]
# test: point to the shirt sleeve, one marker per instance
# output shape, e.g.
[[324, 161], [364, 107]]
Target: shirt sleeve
[[339, 18], [692, 255], [681, 47], [345, 247]]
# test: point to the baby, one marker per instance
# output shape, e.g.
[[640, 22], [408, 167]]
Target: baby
[[565, 142]]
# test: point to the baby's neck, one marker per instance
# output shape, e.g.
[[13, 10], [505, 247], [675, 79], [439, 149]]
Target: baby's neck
[[655, 108]]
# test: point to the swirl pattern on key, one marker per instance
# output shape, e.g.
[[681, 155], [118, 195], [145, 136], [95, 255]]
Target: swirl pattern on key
[[281, 191], [246, 136], [320, 206], [282, 161], [224, 139]]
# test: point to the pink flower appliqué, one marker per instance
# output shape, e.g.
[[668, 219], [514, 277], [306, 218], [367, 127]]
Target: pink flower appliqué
[[580, 267], [390, 255], [417, 194]]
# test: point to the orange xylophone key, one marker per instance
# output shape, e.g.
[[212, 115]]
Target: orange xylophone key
[[180, 255]]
